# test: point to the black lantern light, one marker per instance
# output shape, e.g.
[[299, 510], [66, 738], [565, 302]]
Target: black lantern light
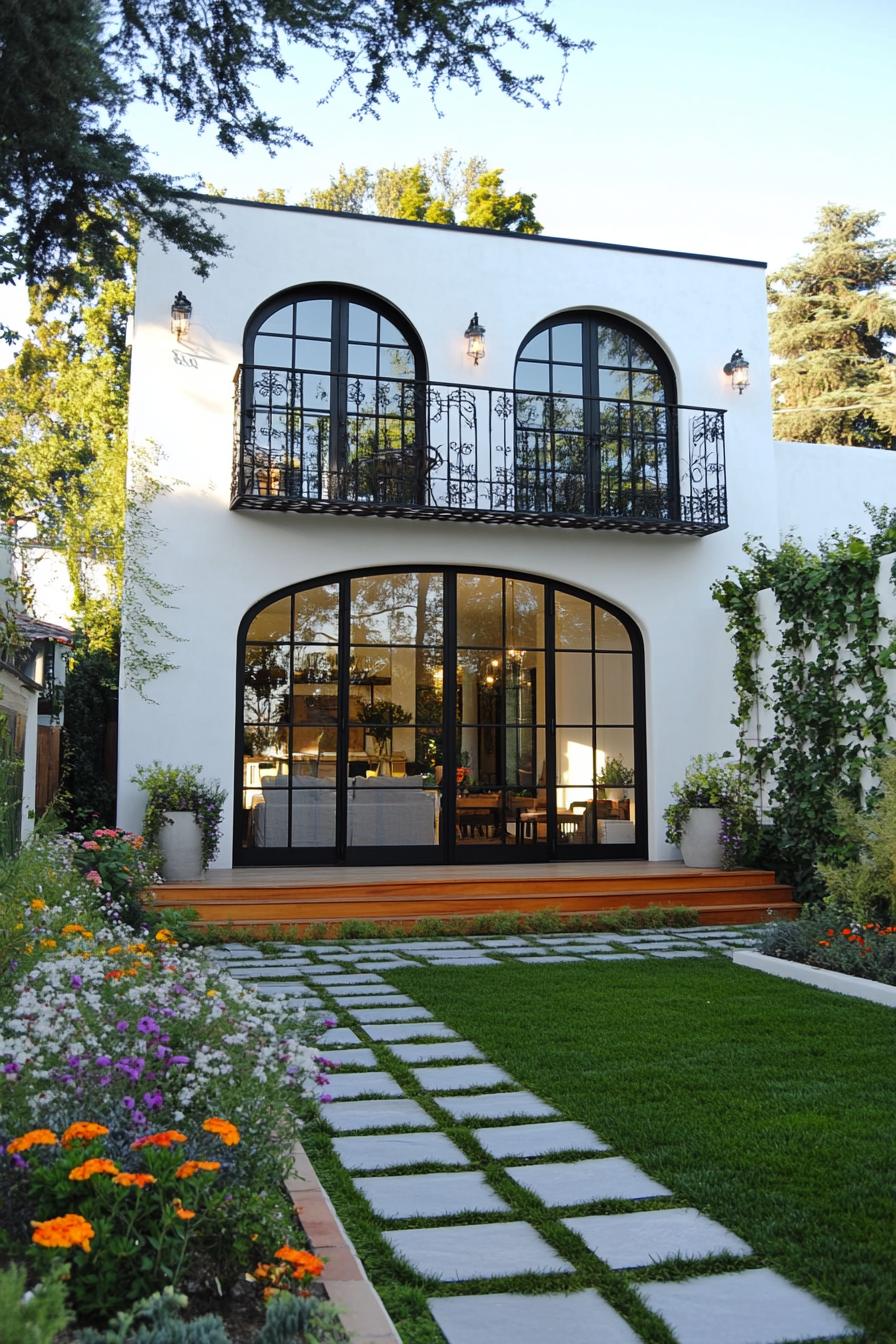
[[475, 335], [738, 370], [181, 312]]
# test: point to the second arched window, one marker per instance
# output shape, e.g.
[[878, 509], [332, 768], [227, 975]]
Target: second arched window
[[594, 420]]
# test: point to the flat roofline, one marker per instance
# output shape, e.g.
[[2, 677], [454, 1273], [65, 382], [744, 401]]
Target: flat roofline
[[488, 233]]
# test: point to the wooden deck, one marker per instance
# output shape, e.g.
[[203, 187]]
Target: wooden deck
[[296, 897]]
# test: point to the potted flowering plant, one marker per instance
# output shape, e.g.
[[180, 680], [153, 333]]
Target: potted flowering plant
[[711, 813], [183, 817]]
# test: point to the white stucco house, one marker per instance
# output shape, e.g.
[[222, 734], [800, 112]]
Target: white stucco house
[[437, 605]]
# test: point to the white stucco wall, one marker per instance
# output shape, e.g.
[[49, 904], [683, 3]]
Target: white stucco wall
[[223, 561], [824, 487]]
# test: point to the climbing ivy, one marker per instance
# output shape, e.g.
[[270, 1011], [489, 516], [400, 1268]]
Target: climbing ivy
[[822, 700]]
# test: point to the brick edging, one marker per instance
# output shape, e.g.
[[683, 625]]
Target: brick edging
[[361, 1311]]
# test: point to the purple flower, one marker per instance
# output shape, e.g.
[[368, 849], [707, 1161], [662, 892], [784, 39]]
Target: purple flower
[[103, 1061], [128, 1103], [325, 1097], [76, 982], [148, 1026], [121, 1026], [12, 1067], [153, 1100], [104, 1079], [19, 1161], [179, 1059], [139, 1118]]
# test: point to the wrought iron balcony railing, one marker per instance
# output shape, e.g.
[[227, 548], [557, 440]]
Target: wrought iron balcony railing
[[319, 442]]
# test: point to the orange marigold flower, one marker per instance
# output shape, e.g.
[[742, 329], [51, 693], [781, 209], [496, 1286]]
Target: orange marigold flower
[[94, 1166], [304, 1261], [38, 905], [82, 1131], [69, 1230], [77, 928], [225, 1131], [261, 1271], [31, 1140], [185, 1214], [138, 1178], [824, 942], [163, 1139], [190, 1168], [166, 936], [48, 942], [269, 1293]]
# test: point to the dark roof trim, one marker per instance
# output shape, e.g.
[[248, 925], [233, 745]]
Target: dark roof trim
[[20, 676], [489, 233]]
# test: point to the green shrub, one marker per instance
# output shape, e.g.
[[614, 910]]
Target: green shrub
[[682, 917], [358, 928], [428, 927], [548, 920], [34, 1317], [866, 887]]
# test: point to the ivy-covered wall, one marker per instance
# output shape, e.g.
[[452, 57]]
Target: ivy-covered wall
[[815, 686]]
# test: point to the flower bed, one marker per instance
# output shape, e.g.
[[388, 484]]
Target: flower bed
[[829, 941], [148, 1103]]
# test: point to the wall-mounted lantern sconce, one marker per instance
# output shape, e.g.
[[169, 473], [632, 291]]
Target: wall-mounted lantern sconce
[[475, 335], [181, 312], [738, 370]]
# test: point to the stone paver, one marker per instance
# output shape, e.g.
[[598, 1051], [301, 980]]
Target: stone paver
[[568, 1183], [614, 956], [453, 1078], [364, 990], [690, 952], [338, 1036], [548, 960], [330, 976], [755, 1306], [371, 1000], [476, 1251], [434, 1195], [495, 1106], [342, 1086], [466, 961], [348, 1116], [409, 1031], [361, 1058], [630, 1240], [438, 1050], [556, 1136], [390, 1014], [499, 1318], [378, 1152]]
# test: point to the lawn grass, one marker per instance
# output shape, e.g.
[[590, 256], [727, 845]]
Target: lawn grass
[[767, 1105]]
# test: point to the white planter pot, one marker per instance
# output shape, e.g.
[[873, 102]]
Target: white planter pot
[[700, 843], [180, 842]]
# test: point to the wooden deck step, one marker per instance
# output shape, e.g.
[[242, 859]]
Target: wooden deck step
[[291, 900]]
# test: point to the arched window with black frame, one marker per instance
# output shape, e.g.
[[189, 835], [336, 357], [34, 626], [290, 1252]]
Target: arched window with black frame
[[595, 420], [330, 402]]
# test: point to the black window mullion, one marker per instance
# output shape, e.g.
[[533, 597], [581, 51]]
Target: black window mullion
[[550, 746], [449, 715], [338, 385], [342, 707], [289, 717], [591, 415]]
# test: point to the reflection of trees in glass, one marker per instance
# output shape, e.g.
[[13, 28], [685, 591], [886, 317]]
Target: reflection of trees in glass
[[265, 672]]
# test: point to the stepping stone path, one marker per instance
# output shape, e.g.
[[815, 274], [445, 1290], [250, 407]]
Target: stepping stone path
[[384, 1045]]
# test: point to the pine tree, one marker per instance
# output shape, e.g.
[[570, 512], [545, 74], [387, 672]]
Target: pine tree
[[832, 323]]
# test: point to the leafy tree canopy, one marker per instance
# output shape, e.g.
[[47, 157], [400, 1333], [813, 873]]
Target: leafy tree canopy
[[74, 184], [832, 324], [435, 191]]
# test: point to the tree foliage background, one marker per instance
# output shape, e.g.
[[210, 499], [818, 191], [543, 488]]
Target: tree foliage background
[[832, 326]]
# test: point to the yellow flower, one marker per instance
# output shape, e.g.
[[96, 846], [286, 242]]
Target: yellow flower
[[82, 1131], [38, 905], [31, 1140], [211, 993], [166, 936], [94, 1166], [48, 942], [69, 1230]]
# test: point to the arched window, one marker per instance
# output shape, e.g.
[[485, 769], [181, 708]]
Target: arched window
[[328, 397], [438, 715], [595, 428]]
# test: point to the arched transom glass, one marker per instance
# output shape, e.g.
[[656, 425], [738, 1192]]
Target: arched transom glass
[[594, 419], [441, 715]]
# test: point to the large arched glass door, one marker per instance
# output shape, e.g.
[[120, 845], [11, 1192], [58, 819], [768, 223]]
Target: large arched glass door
[[439, 715]]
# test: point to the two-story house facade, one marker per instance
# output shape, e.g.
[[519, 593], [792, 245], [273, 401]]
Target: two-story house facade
[[443, 595]]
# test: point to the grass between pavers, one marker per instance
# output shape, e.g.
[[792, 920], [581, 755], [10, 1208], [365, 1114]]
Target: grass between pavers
[[766, 1104]]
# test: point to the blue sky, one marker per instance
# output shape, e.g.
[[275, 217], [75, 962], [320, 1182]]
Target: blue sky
[[700, 125]]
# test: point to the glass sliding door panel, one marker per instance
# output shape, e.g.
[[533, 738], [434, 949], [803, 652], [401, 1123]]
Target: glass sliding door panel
[[479, 610], [615, 703], [397, 609]]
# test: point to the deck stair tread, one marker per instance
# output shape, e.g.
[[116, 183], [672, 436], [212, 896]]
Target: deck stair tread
[[247, 898]]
